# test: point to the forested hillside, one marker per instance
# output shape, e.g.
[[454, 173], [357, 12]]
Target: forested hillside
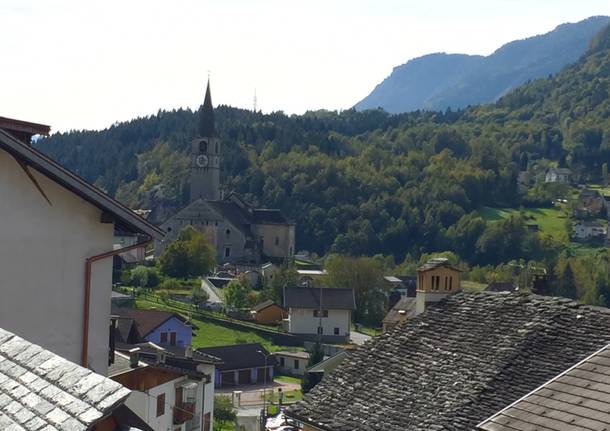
[[366, 183], [437, 81]]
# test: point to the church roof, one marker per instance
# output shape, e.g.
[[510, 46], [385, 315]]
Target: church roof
[[206, 127], [268, 216]]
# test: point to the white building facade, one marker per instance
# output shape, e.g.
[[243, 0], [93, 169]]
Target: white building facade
[[53, 222]]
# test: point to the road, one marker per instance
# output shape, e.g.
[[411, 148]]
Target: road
[[211, 291], [359, 338]]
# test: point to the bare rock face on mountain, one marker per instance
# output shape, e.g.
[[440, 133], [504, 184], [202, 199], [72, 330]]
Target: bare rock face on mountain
[[439, 81]]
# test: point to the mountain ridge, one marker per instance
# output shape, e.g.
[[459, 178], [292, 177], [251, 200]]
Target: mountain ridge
[[424, 83]]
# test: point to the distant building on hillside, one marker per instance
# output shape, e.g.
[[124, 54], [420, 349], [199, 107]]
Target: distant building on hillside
[[558, 175], [238, 231], [589, 229], [590, 204]]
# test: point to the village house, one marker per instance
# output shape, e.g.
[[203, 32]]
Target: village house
[[590, 203], [238, 231], [578, 399], [269, 313], [558, 175], [159, 327], [459, 357], [589, 229], [169, 390], [40, 390], [291, 363], [324, 313], [65, 227], [242, 364]]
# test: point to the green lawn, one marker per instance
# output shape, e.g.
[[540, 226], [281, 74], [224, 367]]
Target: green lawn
[[211, 334], [551, 221], [287, 379], [367, 330], [472, 286]]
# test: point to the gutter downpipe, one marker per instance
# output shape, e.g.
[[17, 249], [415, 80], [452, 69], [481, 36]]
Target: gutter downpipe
[[86, 308]]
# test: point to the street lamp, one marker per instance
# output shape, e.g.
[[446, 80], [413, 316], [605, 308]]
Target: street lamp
[[264, 387]]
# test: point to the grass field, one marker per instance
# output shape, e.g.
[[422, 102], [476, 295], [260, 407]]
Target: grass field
[[551, 221], [472, 286], [287, 379], [211, 334]]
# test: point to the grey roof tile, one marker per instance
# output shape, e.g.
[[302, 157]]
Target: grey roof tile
[[458, 363], [40, 391]]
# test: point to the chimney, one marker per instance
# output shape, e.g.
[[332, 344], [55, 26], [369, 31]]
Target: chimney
[[134, 357], [188, 352]]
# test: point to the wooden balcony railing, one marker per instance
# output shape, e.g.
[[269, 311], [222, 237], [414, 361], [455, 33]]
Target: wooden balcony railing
[[183, 412]]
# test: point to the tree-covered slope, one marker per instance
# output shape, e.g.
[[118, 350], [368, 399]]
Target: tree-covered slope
[[438, 81], [362, 183]]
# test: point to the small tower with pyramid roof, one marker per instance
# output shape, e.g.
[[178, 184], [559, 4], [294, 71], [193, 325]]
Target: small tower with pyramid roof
[[205, 155]]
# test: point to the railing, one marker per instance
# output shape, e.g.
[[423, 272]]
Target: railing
[[184, 412]]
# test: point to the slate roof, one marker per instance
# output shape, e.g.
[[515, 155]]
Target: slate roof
[[578, 399], [309, 297], [436, 263], [124, 218], [268, 216], [239, 356], [146, 321], [458, 363], [402, 310], [501, 286], [264, 304], [40, 390]]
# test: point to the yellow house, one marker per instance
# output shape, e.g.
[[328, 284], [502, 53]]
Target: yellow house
[[436, 279]]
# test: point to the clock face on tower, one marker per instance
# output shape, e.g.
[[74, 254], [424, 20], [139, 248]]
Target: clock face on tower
[[202, 160]]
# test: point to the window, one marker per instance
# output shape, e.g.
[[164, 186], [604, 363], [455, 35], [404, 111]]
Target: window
[[336, 331], [172, 338], [450, 283], [228, 233], [277, 240], [320, 330], [163, 339], [445, 283], [282, 362], [316, 313], [160, 405], [227, 251], [217, 148], [296, 364], [203, 147]]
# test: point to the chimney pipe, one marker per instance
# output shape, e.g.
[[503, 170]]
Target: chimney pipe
[[134, 357], [188, 352]]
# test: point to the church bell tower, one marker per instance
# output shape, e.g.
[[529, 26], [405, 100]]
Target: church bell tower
[[205, 155]]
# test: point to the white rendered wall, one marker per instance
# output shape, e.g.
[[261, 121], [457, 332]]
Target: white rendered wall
[[303, 322], [42, 265]]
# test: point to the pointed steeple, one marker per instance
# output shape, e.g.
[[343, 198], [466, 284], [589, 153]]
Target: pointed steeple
[[206, 116]]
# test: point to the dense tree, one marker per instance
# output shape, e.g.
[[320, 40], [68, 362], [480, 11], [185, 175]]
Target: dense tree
[[236, 294], [365, 276], [189, 255]]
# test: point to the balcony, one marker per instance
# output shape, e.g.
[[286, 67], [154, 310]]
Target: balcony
[[183, 412]]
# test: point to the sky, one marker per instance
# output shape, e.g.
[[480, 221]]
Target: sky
[[83, 64]]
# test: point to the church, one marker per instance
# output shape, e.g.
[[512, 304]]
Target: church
[[239, 232]]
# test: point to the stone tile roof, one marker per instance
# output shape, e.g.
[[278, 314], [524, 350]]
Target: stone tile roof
[[404, 309], [239, 356], [436, 263], [309, 297], [147, 320], [42, 391], [578, 399], [455, 365]]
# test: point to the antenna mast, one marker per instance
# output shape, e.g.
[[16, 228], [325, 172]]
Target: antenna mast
[[254, 102]]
